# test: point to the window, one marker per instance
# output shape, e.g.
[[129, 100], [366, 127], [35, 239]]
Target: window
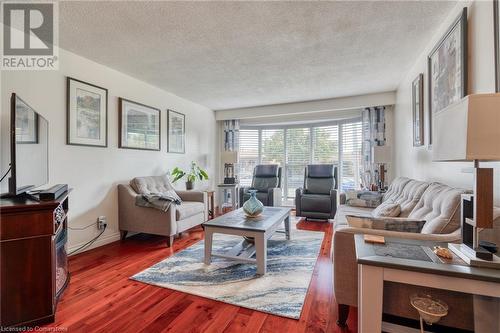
[[249, 155], [294, 147], [298, 155]]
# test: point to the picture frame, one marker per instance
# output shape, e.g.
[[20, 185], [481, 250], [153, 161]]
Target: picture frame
[[139, 126], [447, 68], [417, 103], [496, 27], [176, 128], [87, 114], [27, 118]]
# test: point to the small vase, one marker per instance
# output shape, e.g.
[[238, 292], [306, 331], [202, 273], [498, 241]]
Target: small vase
[[253, 207], [189, 185]]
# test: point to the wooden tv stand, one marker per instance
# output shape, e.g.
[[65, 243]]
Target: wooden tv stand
[[34, 264]]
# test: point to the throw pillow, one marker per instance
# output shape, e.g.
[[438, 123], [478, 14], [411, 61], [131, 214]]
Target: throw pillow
[[387, 209], [387, 223], [363, 198]]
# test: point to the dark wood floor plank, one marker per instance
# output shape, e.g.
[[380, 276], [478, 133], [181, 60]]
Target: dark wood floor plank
[[101, 296]]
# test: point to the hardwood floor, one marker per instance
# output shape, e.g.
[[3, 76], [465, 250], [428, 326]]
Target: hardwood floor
[[101, 298]]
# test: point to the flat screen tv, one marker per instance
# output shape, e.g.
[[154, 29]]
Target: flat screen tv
[[29, 160]]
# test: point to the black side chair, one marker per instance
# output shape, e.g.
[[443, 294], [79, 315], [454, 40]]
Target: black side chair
[[318, 198], [267, 181]]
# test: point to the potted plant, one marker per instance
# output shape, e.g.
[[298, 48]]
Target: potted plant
[[195, 173]]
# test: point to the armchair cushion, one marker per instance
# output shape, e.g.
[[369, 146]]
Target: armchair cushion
[[188, 209], [262, 184], [386, 223]]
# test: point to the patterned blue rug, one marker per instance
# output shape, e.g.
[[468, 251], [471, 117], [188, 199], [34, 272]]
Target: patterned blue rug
[[281, 291]]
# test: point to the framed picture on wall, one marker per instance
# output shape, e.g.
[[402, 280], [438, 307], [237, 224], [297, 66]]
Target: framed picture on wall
[[138, 126], [417, 104], [87, 114], [447, 68], [176, 125], [496, 24]]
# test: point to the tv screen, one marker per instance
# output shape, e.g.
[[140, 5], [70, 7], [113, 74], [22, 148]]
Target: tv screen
[[28, 148]]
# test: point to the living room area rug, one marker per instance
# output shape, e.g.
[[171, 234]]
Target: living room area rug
[[281, 291]]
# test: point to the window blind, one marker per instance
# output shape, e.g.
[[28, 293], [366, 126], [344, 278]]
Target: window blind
[[249, 155], [326, 144], [298, 155], [273, 146]]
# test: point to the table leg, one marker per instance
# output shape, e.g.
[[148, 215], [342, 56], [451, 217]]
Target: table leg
[[208, 245], [261, 254], [287, 227], [370, 297]]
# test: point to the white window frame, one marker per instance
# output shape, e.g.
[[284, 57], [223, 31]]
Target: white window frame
[[311, 127]]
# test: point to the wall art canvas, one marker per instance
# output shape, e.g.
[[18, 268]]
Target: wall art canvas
[[176, 132], [496, 20], [447, 64], [87, 114], [417, 92], [26, 123], [139, 126]]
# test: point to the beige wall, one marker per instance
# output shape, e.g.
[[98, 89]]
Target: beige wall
[[416, 162], [94, 172]]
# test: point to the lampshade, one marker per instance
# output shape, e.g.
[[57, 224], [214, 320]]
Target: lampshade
[[382, 154], [468, 130], [229, 157]]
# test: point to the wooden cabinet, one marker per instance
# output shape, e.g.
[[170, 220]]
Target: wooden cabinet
[[33, 260]]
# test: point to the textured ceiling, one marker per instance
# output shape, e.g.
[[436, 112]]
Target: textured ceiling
[[239, 54]]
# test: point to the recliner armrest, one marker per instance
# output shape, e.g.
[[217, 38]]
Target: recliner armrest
[[333, 199], [275, 196], [299, 192]]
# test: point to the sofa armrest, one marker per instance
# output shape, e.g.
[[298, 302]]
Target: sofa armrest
[[298, 194], [198, 196]]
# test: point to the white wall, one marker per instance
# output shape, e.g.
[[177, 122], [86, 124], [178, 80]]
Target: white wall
[[94, 172], [417, 162]]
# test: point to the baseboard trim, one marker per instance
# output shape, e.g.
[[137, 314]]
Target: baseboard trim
[[103, 240]]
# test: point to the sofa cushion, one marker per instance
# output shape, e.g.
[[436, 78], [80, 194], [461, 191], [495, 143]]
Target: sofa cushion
[[387, 209], [316, 203], [344, 210], [188, 209], [395, 189], [439, 206], [408, 196]]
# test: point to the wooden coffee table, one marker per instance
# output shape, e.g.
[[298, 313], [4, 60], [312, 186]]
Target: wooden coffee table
[[261, 228]]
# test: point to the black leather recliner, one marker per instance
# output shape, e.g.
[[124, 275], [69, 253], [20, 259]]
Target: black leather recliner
[[318, 198], [267, 181]]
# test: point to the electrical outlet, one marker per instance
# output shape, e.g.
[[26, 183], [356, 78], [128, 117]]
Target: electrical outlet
[[101, 222]]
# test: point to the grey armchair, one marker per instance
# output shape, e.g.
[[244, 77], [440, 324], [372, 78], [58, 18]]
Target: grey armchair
[[318, 198], [267, 181]]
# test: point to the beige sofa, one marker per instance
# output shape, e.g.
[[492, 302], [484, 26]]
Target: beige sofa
[[178, 218], [439, 206]]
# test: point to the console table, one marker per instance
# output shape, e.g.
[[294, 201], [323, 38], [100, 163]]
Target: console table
[[34, 264], [374, 269]]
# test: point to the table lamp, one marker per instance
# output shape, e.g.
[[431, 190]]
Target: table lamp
[[381, 157], [469, 130], [229, 158]]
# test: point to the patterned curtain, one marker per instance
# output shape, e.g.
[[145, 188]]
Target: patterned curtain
[[231, 135], [373, 135]]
